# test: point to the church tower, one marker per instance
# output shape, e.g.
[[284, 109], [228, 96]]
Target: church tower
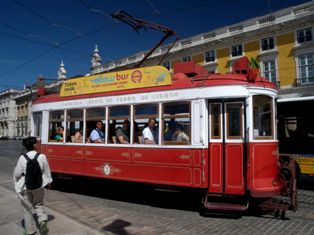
[[62, 72], [96, 60]]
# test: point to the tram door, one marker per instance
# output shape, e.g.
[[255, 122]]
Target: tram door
[[226, 146]]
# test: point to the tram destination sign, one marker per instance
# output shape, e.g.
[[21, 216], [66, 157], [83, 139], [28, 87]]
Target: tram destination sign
[[119, 80]]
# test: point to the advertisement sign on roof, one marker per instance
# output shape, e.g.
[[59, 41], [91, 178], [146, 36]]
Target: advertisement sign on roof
[[115, 81]]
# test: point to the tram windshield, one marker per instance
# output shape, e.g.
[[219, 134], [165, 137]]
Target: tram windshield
[[263, 117]]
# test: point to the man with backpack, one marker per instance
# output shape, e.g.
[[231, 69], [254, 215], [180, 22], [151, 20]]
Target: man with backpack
[[31, 175]]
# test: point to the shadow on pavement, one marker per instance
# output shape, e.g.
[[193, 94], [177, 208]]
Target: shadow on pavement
[[117, 227], [147, 194], [137, 193]]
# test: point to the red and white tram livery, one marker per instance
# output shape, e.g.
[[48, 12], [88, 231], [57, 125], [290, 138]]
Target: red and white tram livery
[[229, 149]]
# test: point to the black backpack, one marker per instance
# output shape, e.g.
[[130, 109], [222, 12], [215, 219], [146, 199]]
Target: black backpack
[[33, 175]]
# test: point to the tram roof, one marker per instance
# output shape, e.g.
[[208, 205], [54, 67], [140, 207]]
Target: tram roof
[[186, 75]]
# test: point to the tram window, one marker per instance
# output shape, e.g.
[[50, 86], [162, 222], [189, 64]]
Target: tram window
[[37, 119], [262, 114], [119, 125], [176, 123], [74, 126], [142, 114], [215, 121], [56, 126], [93, 115], [234, 120]]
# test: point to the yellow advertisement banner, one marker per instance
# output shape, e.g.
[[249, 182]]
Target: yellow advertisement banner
[[115, 81], [306, 163]]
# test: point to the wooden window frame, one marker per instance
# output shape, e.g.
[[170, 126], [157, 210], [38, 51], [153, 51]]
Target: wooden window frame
[[212, 124], [227, 120]]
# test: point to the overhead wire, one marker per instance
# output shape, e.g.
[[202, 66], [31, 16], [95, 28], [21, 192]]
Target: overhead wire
[[23, 32], [52, 48], [206, 3], [36, 42], [47, 20], [39, 36], [152, 6], [102, 28], [45, 44], [97, 10]]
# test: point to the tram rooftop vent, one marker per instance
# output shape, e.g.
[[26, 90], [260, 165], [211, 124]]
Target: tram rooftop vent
[[189, 68]]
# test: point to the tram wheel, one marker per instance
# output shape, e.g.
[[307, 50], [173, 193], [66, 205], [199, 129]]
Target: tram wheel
[[283, 215], [276, 213]]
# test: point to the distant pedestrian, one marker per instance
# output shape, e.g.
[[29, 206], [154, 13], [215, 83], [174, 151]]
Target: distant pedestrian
[[31, 195]]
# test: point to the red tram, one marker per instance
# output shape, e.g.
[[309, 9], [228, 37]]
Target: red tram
[[230, 120]]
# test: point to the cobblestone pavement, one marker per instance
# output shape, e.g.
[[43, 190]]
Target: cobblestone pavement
[[127, 209]]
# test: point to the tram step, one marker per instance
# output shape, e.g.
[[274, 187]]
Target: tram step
[[225, 206]]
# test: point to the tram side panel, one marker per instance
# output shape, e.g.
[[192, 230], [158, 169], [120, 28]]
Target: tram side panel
[[234, 174], [216, 168], [65, 159], [262, 169], [177, 167]]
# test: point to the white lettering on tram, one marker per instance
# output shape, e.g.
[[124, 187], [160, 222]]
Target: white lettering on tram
[[91, 102], [209, 92], [144, 97], [73, 103], [108, 100], [147, 97], [125, 99], [165, 95]]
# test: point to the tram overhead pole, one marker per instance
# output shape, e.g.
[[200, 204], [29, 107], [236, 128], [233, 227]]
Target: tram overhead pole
[[138, 24]]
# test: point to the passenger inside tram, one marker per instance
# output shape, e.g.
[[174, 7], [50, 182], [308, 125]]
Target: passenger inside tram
[[97, 135], [59, 134], [179, 134], [112, 130], [78, 137], [170, 129], [137, 134], [123, 133], [150, 133]]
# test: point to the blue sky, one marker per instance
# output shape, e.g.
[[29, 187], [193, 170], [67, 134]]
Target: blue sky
[[35, 35]]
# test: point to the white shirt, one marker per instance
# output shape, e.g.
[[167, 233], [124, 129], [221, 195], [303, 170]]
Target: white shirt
[[182, 137], [147, 134], [95, 135], [20, 169]]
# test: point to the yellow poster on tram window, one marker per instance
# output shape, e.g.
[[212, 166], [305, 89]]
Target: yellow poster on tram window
[[119, 80]]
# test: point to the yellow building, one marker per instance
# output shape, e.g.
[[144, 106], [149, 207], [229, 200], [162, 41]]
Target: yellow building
[[282, 43], [22, 116]]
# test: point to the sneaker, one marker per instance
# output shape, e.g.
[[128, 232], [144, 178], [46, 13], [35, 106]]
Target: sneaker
[[43, 228], [26, 233]]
